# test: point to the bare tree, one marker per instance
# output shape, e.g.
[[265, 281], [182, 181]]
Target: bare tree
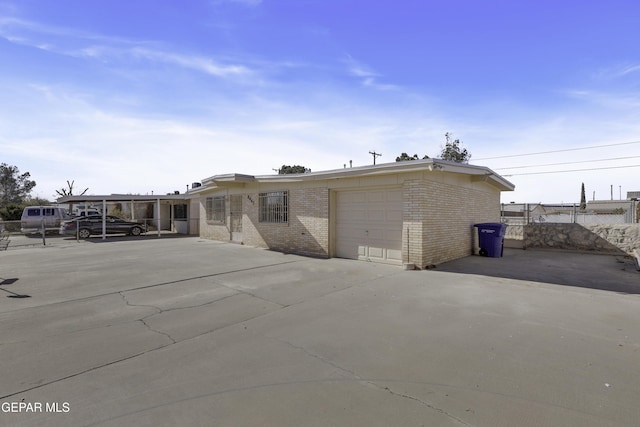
[[63, 192]]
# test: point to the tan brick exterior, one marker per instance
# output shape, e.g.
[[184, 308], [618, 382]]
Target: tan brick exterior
[[439, 211], [440, 218], [306, 233]]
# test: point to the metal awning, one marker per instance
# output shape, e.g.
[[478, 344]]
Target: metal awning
[[103, 199]]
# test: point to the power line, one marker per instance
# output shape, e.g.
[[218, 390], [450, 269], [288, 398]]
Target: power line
[[569, 163], [375, 155], [560, 151], [572, 170]]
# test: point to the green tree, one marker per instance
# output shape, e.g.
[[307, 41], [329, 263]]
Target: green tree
[[11, 212], [37, 201], [405, 157], [453, 150], [14, 186], [583, 199], [285, 169]]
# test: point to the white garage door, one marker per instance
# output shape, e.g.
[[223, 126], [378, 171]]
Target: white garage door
[[369, 225]]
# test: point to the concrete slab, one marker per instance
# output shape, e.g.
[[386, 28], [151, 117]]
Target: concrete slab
[[614, 273], [193, 332]]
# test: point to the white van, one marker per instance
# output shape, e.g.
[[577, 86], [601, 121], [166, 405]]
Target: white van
[[34, 217], [86, 211]]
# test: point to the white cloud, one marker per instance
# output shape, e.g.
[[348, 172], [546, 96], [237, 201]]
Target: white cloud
[[617, 71], [194, 62], [82, 44], [368, 77], [609, 99], [252, 3]]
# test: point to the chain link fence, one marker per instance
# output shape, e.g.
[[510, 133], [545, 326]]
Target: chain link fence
[[608, 212]]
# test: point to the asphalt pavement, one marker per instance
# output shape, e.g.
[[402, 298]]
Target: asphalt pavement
[[186, 331]]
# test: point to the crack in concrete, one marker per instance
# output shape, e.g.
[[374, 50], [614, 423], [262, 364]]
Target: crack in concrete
[[173, 341], [142, 319], [95, 368], [114, 362], [359, 378], [245, 292], [422, 402], [316, 356], [155, 285]]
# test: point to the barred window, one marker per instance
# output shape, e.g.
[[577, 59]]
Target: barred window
[[179, 211], [274, 207], [215, 209]]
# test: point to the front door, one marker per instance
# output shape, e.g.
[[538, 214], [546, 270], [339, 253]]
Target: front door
[[236, 218]]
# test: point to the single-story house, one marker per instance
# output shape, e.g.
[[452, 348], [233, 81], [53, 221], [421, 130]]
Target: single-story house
[[417, 212]]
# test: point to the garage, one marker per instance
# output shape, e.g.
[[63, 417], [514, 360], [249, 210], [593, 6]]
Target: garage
[[418, 213], [369, 225]]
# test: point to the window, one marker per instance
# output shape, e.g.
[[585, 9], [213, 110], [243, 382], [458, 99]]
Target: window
[[33, 212], [179, 211], [274, 207], [215, 209]]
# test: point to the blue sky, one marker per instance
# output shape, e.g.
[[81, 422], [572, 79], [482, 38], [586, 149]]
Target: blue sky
[[149, 96]]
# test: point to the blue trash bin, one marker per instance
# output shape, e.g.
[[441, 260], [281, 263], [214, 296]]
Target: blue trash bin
[[491, 238]]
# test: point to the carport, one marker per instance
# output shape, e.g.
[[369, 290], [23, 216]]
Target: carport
[[170, 212]]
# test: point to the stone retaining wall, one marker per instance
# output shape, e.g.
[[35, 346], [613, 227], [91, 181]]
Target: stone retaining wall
[[612, 238]]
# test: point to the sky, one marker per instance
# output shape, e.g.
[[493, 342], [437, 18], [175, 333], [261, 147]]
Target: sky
[[147, 97]]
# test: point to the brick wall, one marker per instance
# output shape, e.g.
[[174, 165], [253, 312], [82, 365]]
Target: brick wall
[[439, 211], [306, 233], [440, 217], [210, 229]]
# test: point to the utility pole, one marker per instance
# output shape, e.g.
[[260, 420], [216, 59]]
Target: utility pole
[[374, 154]]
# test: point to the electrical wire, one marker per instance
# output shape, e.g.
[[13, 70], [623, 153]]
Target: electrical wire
[[569, 163], [572, 170], [559, 151]]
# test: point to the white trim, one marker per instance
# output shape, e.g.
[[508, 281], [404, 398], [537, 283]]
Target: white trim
[[426, 165]]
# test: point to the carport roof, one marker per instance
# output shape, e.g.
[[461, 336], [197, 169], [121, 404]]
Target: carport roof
[[123, 198], [478, 173]]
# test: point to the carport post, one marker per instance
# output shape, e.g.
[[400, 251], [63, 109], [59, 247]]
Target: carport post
[[104, 219], [158, 203]]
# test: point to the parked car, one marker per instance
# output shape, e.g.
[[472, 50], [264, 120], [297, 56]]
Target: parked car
[[34, 217], [86, 226]]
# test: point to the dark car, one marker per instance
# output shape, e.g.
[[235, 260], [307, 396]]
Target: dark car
[[86, 226]]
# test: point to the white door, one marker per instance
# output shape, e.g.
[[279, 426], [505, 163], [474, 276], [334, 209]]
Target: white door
[[369, 225]]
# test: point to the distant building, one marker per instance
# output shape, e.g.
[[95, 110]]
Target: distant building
[[633, 195]]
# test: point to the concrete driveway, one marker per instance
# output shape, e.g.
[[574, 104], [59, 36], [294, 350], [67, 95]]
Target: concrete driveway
[[184, 331]]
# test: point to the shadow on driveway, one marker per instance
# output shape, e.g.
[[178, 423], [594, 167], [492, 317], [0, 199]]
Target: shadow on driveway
[[605, 272]]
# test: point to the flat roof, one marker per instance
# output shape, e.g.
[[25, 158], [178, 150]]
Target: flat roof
[[479, 172], [123, 198]]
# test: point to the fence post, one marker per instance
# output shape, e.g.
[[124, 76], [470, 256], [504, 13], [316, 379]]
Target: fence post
[[44, 240]]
